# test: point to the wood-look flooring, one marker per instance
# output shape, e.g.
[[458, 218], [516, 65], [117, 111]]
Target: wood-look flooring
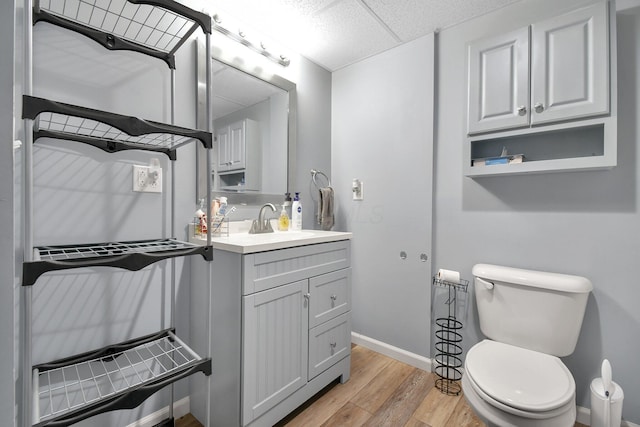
[[381, 392]]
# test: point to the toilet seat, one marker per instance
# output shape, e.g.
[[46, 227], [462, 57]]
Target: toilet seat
[[520, 381]]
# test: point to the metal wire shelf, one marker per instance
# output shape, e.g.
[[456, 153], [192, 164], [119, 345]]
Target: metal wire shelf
[[153, 27], [132, 255], [108, 131], [116, 377]]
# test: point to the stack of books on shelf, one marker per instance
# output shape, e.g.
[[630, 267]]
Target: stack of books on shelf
[[500, 160]]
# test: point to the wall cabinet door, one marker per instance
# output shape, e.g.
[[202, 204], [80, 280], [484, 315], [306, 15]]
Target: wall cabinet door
[[222, 138], [567, 78], [499, 82], [232, 147], [275, 347], [570, 65], [237, 145]]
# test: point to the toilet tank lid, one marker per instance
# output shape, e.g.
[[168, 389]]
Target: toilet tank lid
[[533, 278]]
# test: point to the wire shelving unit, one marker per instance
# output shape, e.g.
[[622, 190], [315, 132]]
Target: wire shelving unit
[[122, 375]]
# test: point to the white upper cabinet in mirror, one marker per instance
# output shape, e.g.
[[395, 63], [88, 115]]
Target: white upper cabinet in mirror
[[254, 128]]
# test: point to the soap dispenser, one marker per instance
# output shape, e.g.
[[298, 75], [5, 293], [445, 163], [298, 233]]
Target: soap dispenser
[[283, 221]]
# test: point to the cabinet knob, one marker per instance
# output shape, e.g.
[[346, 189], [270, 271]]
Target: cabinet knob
[[539, 107], [333, 344], [522, 110], [334, 297], [307, 296]]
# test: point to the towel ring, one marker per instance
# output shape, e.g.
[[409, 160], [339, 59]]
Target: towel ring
[[314, 178]]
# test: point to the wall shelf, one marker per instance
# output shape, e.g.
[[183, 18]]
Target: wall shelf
[[108, 131], [155, 28], [571, 146], [119, 376], [131, 256]]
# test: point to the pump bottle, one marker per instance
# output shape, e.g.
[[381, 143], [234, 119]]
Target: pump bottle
[[296, 213]]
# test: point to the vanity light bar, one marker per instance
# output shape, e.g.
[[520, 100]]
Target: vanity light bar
[[240, 37]]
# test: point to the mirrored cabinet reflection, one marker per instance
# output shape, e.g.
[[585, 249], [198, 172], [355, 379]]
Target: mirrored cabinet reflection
[[254, 126]]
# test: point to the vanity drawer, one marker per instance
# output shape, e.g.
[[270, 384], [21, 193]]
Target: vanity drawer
[[266, 270], [330, 296], [329, 343]]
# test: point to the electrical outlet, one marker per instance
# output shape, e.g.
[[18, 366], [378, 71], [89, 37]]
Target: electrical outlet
[[147, 179]]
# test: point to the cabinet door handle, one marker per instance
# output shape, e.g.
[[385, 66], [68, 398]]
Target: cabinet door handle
[[539, 107], [334, 297], [333, 344], [522, 110], [307, 296]]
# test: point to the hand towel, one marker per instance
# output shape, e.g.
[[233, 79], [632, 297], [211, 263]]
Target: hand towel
[[325, 216]]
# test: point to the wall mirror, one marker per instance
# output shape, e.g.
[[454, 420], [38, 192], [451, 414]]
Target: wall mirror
[[254, 116]]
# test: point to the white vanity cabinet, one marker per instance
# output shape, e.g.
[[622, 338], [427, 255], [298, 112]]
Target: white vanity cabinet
[[547, 92], [281, 330], [567, 78]]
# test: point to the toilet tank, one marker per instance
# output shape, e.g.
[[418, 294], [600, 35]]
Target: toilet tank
[[531, 309]]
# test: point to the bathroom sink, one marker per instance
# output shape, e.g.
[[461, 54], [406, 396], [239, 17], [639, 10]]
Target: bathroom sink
[[243, 242]]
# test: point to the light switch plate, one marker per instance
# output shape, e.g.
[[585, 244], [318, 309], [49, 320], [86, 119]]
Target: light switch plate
[[358, 189]]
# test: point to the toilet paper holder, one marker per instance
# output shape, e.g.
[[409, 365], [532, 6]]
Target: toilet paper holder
[[447, 361]]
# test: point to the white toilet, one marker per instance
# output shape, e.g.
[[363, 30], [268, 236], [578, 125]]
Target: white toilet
[[531, 318]]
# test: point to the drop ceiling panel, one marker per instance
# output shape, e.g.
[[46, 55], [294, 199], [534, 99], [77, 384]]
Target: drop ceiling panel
[[410, 19], [346, 33]]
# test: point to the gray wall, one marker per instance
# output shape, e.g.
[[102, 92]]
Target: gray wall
[[382, 134], [584, 223], [7, 259]]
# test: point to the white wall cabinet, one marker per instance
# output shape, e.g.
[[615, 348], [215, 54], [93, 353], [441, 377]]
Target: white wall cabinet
[[239, 156], [549, 81], [281, 330], [568, 76]]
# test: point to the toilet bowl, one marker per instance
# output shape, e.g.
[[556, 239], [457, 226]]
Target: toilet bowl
[[530, 319], [511, 386]]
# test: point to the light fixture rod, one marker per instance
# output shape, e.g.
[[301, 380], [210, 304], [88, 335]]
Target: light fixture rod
[[240, 37]]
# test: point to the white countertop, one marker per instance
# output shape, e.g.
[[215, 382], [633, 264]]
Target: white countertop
[[244, 243]]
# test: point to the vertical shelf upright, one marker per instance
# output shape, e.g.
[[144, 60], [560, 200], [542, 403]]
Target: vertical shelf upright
[[122, 375]]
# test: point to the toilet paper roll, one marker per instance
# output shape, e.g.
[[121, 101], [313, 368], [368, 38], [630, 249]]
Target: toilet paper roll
[[449, 275]]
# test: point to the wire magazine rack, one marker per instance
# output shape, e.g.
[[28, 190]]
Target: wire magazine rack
[[448, 345]]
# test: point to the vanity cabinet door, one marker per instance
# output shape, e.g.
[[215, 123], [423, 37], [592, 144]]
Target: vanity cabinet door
[[275, 347], [498, 82], [570, 65]]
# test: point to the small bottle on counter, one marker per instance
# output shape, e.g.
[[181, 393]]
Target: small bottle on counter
[[222, 210], [283, 221], [200, 220], [287, 204], [296, 213]]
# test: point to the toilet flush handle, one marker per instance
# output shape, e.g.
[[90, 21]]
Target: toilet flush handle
[[488, 284]]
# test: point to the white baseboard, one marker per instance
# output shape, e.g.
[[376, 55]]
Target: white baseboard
[[180, 408], [404, 356]]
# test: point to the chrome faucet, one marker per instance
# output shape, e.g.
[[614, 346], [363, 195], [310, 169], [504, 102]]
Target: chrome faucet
[[262, 225]]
